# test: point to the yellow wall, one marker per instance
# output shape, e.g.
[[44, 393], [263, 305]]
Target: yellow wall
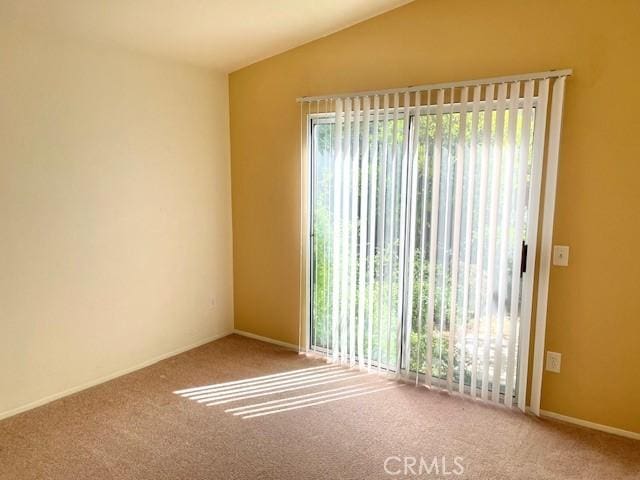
[[594, 303]]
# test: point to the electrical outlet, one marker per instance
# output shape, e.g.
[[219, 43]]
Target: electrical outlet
[[561, 256], [553, 361]]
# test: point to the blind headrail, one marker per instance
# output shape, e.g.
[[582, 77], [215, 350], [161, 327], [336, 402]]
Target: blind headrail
[[437, 86]]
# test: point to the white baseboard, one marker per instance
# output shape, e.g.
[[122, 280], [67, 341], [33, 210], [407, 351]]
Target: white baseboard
[[290, 346], [111, 376], [592, 425]]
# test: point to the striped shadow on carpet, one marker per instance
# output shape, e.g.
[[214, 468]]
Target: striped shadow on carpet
[[290, 390]]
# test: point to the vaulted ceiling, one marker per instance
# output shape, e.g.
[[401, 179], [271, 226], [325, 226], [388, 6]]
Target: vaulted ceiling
[[220, 34]]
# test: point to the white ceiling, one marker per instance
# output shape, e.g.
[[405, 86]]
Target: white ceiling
[[221, 34]]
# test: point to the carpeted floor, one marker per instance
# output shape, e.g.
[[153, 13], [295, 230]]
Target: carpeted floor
[[340, 425]]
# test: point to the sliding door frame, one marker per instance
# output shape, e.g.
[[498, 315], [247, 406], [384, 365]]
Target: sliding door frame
[[309, 171], [548, 158]]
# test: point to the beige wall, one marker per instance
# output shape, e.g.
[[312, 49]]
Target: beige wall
[[115, 225], [594, 303]]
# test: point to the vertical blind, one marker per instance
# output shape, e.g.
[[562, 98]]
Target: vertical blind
[[423, 204]]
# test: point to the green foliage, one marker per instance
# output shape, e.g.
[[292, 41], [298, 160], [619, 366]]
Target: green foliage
[[382, 296]]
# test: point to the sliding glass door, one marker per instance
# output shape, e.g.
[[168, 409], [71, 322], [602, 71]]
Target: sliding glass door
[[419, 214]]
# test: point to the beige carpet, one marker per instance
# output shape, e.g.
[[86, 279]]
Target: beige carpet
[[340, 425]]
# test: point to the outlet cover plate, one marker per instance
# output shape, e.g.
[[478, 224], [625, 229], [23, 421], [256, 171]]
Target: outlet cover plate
[[554, 360], [561, 255]]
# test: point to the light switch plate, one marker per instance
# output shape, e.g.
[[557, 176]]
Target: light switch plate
[[561, 255], [554, 359]]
